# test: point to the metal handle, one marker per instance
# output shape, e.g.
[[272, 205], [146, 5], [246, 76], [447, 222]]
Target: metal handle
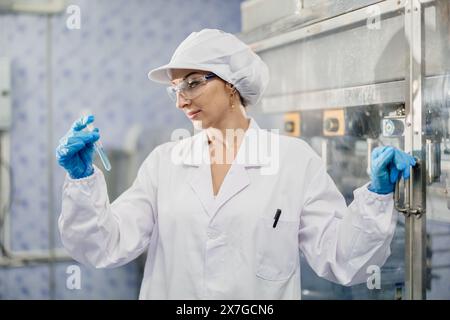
[[406, 209]]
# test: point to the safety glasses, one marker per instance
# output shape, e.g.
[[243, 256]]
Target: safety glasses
[[191, 87]]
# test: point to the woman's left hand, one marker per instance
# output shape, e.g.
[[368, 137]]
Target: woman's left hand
[[388, 165]]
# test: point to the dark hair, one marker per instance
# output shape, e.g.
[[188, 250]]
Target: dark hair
[[242, 101], [244, 104]]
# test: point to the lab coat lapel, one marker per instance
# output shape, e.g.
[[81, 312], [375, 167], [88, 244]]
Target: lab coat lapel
[[237, 178], [196, 156], [235, 181], [201, 182]]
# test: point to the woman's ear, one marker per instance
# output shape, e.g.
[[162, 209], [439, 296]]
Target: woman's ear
[[230, 87]]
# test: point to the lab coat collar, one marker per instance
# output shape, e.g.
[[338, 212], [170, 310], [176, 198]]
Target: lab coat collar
[[195, 154], [251, 151]]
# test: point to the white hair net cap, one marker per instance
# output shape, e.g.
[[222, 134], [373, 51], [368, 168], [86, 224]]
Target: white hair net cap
[[222, 54]]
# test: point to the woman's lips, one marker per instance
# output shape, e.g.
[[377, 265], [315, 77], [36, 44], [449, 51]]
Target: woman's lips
[[193, 114]]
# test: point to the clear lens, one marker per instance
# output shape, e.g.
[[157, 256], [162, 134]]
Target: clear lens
[[171, 91], [190, 88]]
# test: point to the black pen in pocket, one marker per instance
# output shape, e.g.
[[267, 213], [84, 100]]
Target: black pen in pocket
[[277, 216]]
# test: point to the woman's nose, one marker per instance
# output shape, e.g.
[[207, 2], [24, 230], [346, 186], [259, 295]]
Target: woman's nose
[[182, 101]]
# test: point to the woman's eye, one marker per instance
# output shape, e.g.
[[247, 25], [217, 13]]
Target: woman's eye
[[193, 84]]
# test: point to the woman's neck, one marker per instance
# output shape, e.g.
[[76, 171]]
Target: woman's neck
[[229, 132]]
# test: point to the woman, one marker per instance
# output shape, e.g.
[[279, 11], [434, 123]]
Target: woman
[[215, 229]]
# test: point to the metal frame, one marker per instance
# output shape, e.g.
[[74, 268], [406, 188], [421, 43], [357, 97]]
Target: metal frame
[[365, 94], [371, 94], [327, 25], [380, 93], [302, 17], [415, 196]]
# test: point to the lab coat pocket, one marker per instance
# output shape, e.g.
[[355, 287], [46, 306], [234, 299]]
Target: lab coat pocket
[[277, 249]]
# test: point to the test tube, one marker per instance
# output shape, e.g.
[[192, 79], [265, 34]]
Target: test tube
[[100, 151]]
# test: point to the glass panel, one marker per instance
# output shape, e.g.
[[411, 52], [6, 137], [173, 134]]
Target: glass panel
[[437, 104]]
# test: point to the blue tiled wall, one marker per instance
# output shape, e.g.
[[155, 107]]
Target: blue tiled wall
[[103, 68]]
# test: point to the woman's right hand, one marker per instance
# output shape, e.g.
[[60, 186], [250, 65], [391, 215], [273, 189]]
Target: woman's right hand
[[76, 149]]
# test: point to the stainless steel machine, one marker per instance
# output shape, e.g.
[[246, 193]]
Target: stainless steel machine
[[348, 76]]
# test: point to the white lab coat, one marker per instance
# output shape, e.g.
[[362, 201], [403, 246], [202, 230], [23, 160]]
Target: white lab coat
[[201, 247]]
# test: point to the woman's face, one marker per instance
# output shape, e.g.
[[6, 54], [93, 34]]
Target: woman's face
[[211, 106]]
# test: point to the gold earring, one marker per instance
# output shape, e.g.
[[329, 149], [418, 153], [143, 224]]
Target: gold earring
[[232, 101]]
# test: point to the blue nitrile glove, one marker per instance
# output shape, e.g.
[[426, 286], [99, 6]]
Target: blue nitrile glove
[[388, 164], [76, 149]]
